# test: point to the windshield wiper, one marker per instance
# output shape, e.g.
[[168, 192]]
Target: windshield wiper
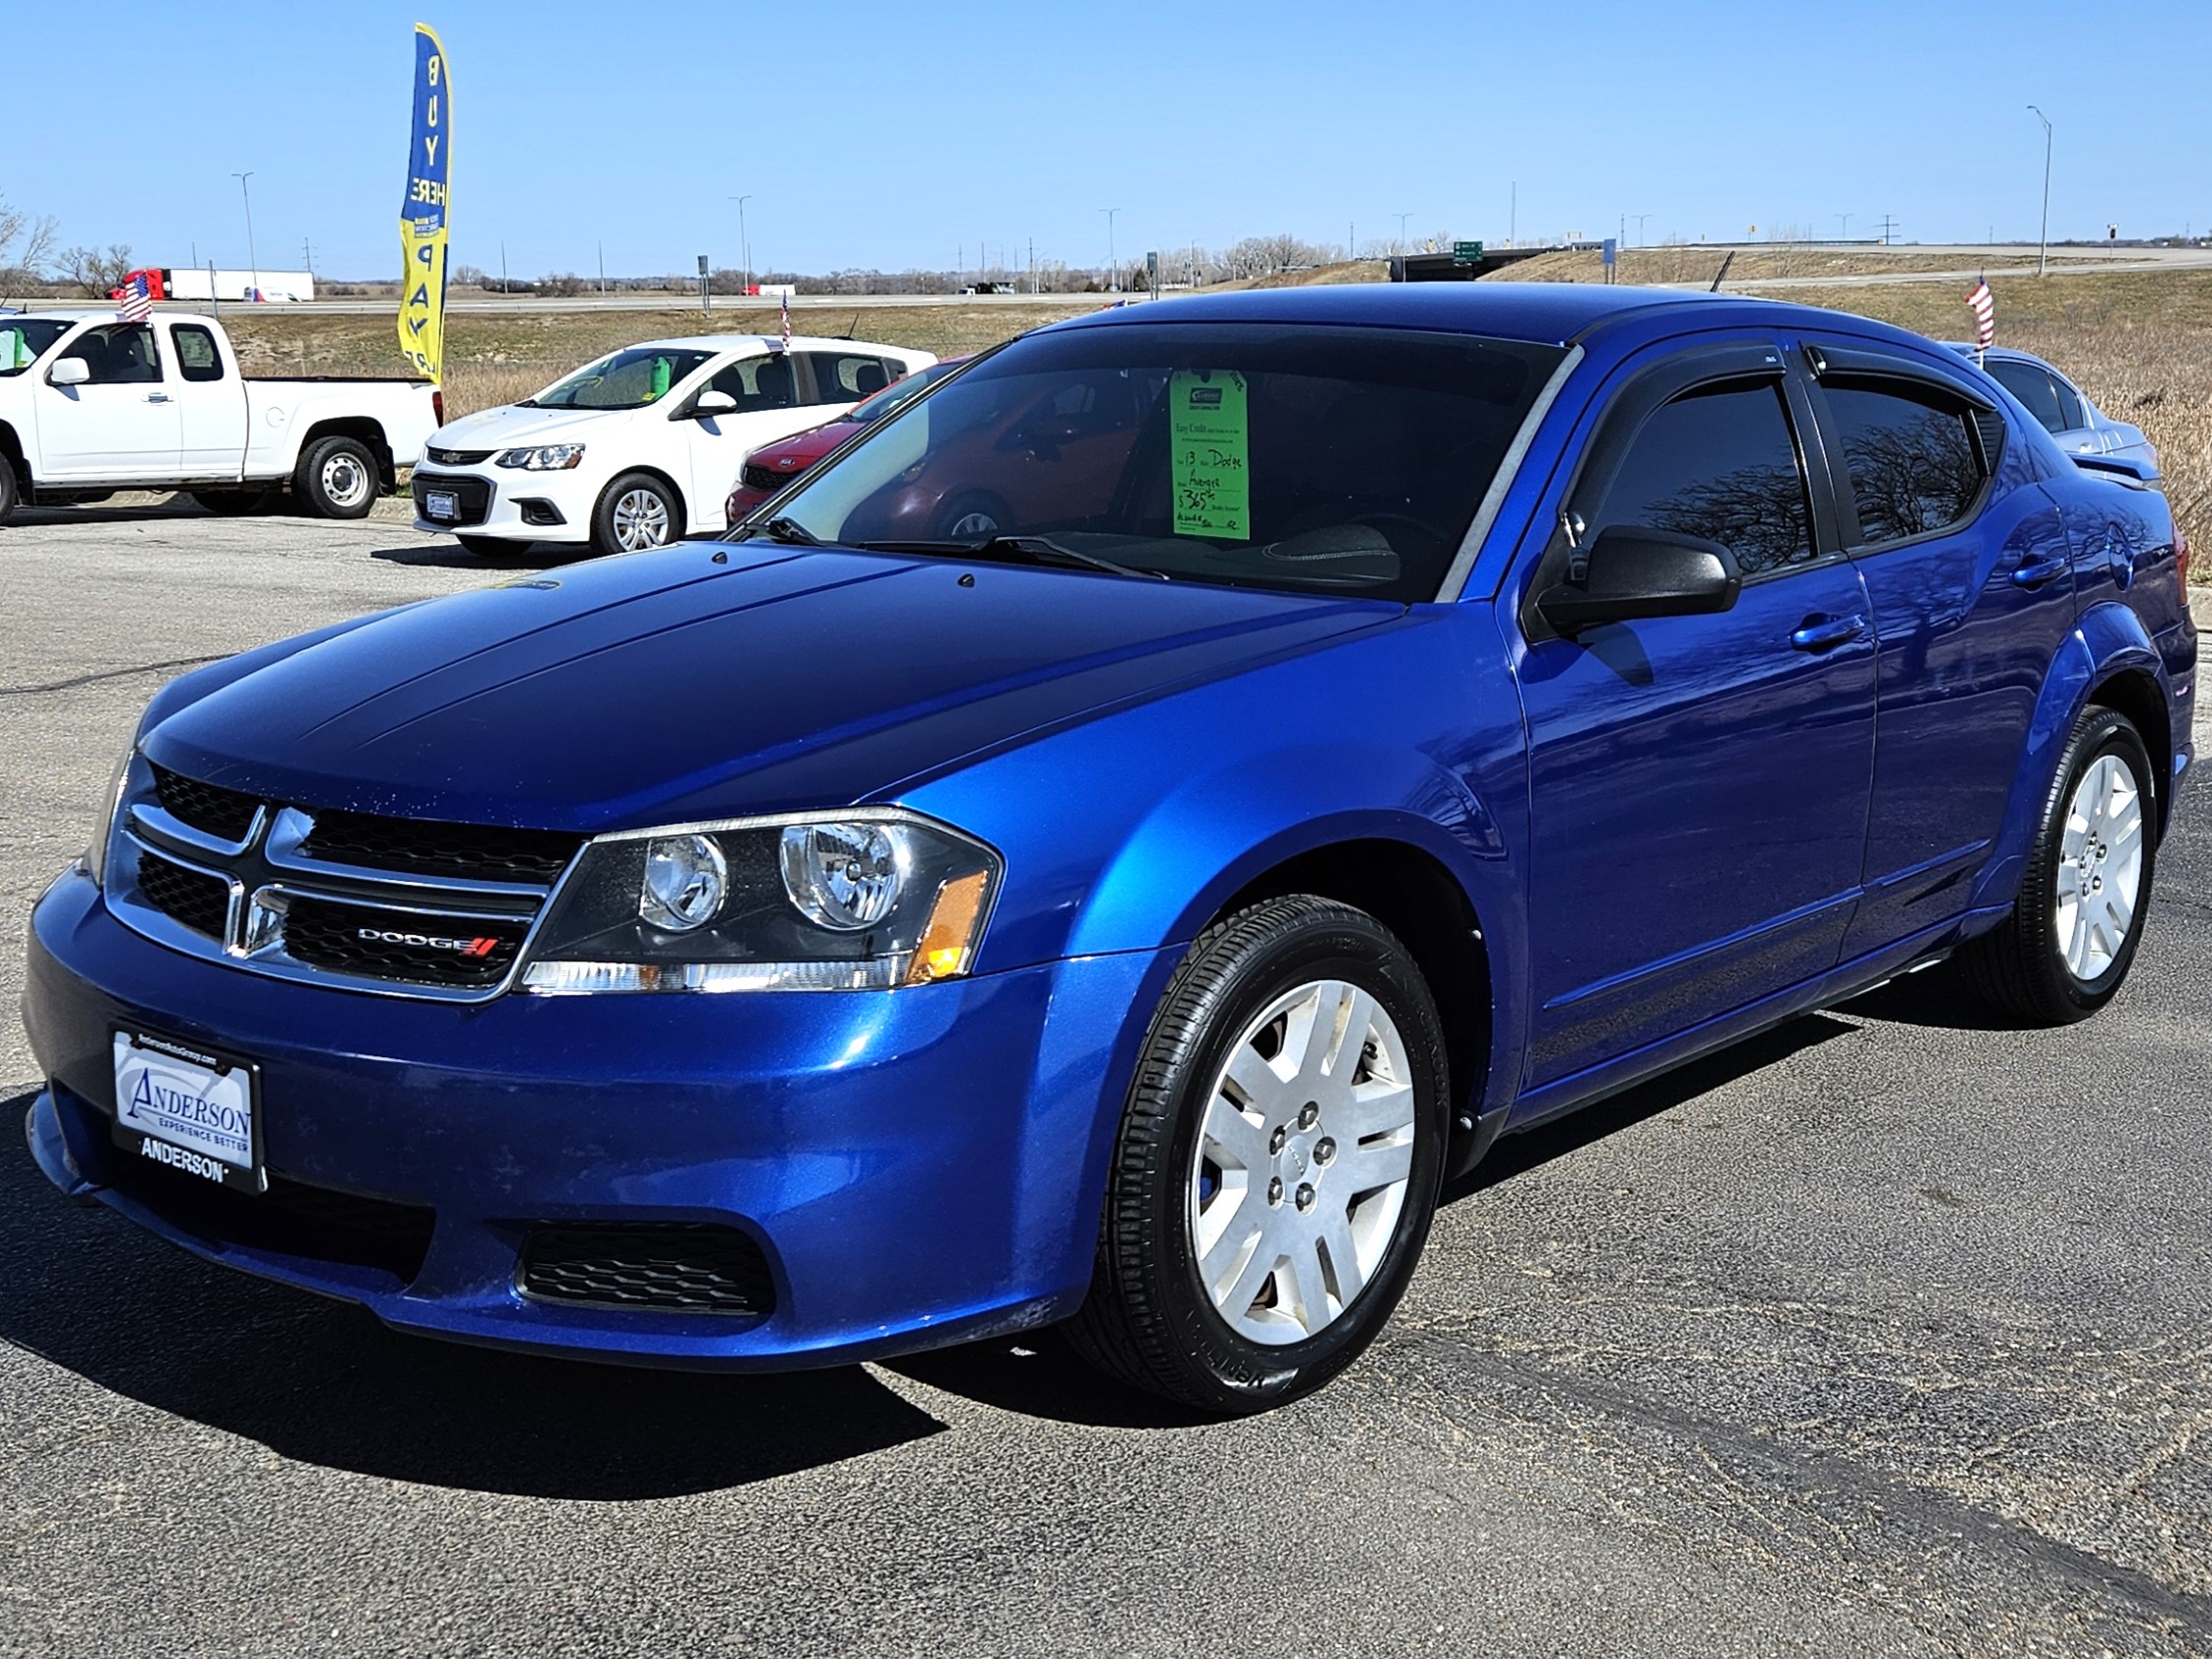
[[1036, 550], [781, 529]]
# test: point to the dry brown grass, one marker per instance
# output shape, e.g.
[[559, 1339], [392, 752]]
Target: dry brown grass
[[2139, 343], [1687, 262]]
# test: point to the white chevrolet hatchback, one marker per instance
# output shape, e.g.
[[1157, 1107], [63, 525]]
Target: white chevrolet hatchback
[[628, 451]]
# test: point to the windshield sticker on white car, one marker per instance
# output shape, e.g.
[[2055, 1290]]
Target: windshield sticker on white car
[[1211, 448]]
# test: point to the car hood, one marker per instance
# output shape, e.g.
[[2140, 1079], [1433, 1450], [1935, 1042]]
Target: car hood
[[664, 687], [511, 424], [805, 448]]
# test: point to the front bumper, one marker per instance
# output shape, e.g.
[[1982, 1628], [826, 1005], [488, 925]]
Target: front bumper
[[917, 1166], [508, 503]]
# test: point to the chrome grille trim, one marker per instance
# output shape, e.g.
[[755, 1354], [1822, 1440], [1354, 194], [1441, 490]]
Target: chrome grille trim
[[266, 872]]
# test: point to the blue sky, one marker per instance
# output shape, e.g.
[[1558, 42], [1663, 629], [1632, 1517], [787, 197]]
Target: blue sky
[[905, 134]]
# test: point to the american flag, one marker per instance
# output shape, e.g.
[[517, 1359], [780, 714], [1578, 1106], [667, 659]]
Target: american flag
[[786, 321], [138, 301], [1985, 308]]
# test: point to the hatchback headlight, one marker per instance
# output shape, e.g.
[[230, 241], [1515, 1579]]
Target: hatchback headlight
[[546, 457], [864, 900]]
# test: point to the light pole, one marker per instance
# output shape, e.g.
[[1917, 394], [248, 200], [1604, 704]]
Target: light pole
[[1846, 218], [1401, 219], [2043, 245], [253, 259], [1113, 271], [745, 243], [1640, 219]]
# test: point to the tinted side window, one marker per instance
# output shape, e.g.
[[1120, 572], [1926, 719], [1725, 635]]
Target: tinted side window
[[758, 384], [2032, 386], [1718, 463], [2069, 403], [846, 376], [196, 356], [1913, 467], [122, 353]]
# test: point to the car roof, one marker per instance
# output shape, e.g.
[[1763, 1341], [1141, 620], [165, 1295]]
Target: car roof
[[1547, 313], [764, 342]]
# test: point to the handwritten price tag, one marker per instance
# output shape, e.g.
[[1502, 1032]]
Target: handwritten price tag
[[1210, 448]]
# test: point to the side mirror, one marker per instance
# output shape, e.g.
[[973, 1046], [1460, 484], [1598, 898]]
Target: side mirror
[[1632, 572], [70, 371], [712, 403]]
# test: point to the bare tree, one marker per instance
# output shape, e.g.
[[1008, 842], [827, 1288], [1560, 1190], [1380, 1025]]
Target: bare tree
[[96, 272], [25, 243]]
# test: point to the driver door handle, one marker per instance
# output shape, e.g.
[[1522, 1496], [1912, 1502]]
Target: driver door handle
[[1825, 633], [157, 397]]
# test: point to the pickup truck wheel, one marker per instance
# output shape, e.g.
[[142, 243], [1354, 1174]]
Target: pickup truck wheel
[[11, 488], [338, 478], [637, 511], [2067, 946], [1277, 1163], [235, 504]]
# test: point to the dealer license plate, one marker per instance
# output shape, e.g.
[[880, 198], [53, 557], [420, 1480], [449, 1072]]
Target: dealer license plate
[[440, 503], [191, 1108]]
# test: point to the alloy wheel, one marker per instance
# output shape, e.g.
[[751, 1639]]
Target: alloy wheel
[[2100, 867], [1302, 1164]]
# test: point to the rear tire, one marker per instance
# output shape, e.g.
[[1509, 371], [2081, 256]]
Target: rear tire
[[338, 478], [1273, 1183], [2067, 946], [635, 513]]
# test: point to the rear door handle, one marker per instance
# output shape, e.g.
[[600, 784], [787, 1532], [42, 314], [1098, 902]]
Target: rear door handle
[[2035, 573], [1825, 633], [157, 397]]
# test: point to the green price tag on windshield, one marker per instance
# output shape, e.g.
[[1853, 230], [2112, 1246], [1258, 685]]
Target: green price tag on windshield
[[1211, 449]]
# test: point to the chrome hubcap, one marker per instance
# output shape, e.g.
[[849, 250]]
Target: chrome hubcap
[[344, 481], [641, 520], [2101, 868], [1304, 1156]]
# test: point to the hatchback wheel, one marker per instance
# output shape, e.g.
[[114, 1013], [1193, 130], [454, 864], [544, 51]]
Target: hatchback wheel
[[1278, 1163], [637, 511], [2067, 946]]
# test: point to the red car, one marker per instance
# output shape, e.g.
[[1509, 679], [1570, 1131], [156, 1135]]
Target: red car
[[774, 465]]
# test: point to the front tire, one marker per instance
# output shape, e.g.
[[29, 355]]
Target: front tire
[[2071, 937], [10, 489], [637, 511], [1277, 1163], [338, 478]]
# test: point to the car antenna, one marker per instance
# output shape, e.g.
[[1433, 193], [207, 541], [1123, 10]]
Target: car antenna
[[849, 327]]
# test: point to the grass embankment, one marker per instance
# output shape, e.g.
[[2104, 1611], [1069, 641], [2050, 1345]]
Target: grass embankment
[[494, 357], [2138, 342]]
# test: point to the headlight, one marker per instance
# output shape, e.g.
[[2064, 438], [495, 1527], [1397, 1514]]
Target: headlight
[[104, 821], [863, 901], [547, 457]]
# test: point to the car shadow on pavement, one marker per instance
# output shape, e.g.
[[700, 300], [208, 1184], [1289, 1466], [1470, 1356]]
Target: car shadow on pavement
[[449, 556], [1517, 1155], [1938, 1000], [1039, 1375], [324, 1383]]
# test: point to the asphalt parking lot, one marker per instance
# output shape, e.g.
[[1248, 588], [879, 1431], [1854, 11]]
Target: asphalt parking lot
[[1887, 1334]]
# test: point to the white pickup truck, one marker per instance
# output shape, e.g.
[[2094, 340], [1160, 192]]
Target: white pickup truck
[[91, 403]]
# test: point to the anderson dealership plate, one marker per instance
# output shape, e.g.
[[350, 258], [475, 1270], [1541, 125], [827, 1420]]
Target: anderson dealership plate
[[190, 1107]]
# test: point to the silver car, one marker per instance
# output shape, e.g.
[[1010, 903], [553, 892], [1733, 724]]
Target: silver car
[[2079, 425]]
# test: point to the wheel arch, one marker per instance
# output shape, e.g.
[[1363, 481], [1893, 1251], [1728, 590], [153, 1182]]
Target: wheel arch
[[660, 475], [13, 454], [364, 428], [2135, 693]]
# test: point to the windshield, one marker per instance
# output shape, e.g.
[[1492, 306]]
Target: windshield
[[899, 391], [23, 339], [1304, 459], [628, 379]]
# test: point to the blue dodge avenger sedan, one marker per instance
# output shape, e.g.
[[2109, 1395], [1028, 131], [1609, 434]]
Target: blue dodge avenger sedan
[[1112, 842]]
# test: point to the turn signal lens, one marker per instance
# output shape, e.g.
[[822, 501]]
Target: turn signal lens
[[948, 937]]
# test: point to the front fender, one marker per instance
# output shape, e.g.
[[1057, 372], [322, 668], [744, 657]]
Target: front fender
[[2108, 639]]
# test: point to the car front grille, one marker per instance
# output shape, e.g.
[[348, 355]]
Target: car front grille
[[768, 478], [485, 852], [223, 813], [356, 899], [459, 457], [199, 901], [679, 1269], [424, 949], [471, 496]]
